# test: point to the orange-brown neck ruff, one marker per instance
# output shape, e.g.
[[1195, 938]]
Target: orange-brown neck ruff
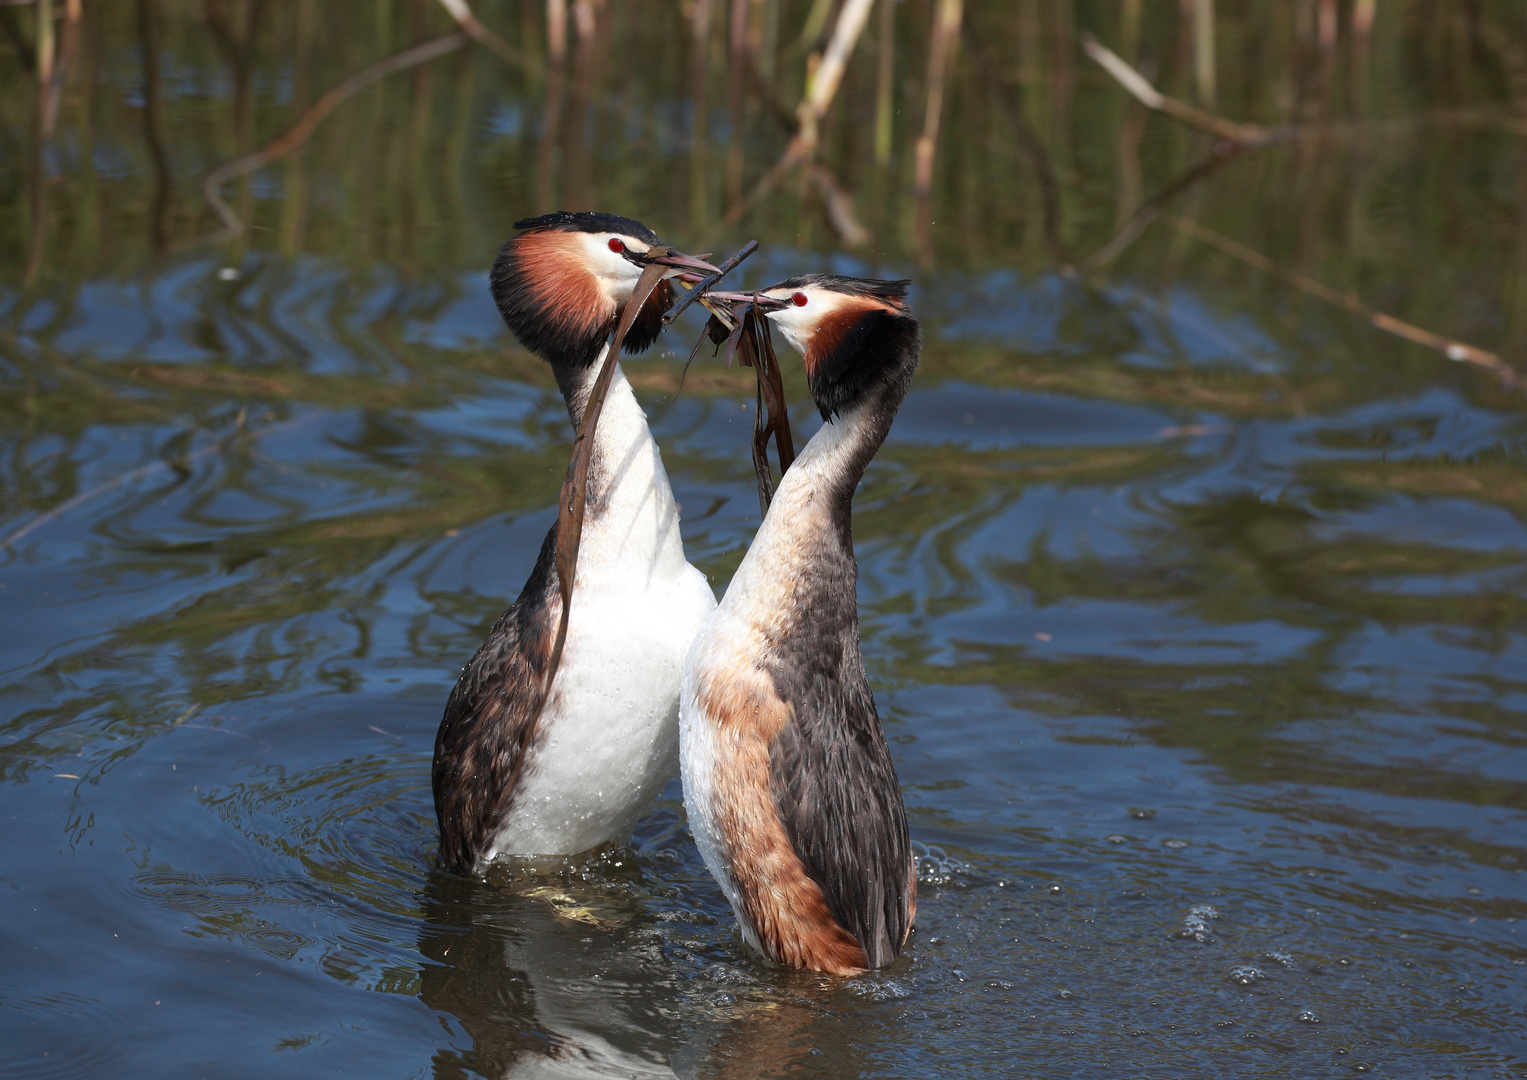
[[784, 908], [841, 333], [568, 296]]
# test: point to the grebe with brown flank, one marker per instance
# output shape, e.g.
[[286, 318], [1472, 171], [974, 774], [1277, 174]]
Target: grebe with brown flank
[[788, 782]]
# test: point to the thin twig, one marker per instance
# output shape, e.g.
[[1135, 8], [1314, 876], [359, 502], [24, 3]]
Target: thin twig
[[138, 474], [462, 13], [299, 132], [808, 114], [1049, 189], [1154, 207], [1449, 347], [1151, 98]]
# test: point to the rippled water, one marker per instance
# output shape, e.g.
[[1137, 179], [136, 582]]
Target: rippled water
[[1194, 610]]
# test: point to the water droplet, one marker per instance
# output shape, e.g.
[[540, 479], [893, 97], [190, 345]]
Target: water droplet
[[1308, 1017], [1246, 974]]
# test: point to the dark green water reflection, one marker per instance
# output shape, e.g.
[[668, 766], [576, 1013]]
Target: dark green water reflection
[[1194, 605]]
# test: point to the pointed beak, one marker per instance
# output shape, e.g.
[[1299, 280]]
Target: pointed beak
[[692, 267], [763, 303]]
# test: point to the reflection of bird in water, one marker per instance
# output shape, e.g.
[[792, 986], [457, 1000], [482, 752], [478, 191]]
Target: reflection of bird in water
[[550, 978], [789, 784], [547, 985], [607, 739]]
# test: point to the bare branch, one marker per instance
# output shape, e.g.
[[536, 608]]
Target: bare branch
[[1142, 90], [299, 132], [462, 13], [1452, 349]]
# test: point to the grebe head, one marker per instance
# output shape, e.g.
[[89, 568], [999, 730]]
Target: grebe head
[[561, 283], [856, 335]]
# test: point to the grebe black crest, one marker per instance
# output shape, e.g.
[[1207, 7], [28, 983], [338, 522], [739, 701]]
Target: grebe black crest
[[789, 785], [514, 774]]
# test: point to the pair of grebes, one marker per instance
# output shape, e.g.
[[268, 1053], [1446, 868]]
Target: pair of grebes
[[565, 725]]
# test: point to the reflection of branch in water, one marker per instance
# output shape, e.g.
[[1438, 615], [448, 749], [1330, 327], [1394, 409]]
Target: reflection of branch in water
[[479, 33], [1153, 208], [1151, 98], [152, 132], [1049, 190], [820, 91], [299, 132], [946, 32], [119, 481], [1453, 350]]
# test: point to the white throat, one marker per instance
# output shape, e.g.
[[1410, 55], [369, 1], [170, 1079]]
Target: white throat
[[632, 531]]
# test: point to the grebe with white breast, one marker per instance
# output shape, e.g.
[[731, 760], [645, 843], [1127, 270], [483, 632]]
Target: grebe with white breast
[[514, 775]]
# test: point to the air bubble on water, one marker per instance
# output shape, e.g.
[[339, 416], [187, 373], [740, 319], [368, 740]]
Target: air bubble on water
[[1246, 974], [1286, 959], [228, 273], [725, 973], [1176, 843], [1141, 814], [998, 984], [1308, 1017], [1116, 838], [1055, 890], [1195, 924], [935, 867], [1065, 995], [878, 990]]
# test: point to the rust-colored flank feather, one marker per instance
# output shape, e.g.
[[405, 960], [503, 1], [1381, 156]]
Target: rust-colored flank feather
[[568, 295], [785, 908]]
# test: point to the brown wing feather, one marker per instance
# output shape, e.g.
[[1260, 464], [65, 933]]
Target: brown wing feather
[[489, 718]]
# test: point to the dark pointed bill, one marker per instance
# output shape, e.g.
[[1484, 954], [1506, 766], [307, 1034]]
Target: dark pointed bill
[[704, 285], [737, 319]]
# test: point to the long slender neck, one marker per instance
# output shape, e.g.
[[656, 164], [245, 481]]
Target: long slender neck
[[805, 544], [631, 532]]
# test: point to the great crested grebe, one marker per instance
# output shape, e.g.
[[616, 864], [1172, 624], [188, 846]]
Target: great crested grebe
[[789, 785], [511, 776]]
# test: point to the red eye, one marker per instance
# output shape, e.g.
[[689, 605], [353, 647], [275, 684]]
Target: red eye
[[799, 299], [616, 245]]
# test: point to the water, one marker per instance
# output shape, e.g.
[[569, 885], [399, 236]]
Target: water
[[1193, 607]]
